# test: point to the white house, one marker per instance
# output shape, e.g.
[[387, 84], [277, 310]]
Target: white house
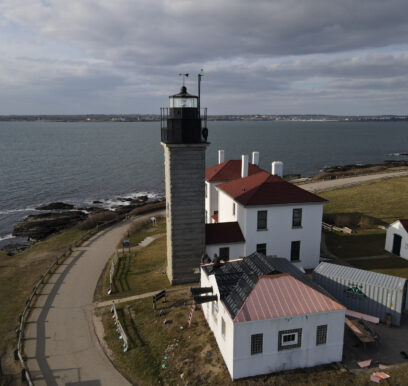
[[396, 240], [270, 317], [274, 216]]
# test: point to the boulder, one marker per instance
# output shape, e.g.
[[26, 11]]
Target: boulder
[[56, 206]]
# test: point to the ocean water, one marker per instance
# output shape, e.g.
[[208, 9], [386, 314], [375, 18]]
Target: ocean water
[[82, 162]]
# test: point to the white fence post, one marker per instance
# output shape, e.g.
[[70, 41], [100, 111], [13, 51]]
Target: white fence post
[[119, 328]]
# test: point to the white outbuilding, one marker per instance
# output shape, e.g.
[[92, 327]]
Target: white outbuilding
[[268, 316], [396, 240]]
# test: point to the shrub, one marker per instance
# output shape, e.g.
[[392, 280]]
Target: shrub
[[97, 218]]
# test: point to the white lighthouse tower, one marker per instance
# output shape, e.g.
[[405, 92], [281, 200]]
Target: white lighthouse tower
[[184, 138]]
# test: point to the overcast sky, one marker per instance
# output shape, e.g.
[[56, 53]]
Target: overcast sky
[[258, 56]]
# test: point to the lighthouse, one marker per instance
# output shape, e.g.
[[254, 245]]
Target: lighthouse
[[184, 139]]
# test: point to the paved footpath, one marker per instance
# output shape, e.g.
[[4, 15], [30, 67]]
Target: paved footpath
[[61, 345], [349, 181]]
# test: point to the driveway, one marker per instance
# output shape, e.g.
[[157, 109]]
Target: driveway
[[61, 345]]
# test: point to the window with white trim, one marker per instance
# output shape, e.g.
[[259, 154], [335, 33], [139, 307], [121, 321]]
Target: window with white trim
[[290, 339], [233, 208]]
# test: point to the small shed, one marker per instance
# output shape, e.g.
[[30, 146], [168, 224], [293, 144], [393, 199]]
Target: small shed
[[396, 240], [369, 292]]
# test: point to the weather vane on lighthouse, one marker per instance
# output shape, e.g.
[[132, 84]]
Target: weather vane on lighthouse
[[184, 77]]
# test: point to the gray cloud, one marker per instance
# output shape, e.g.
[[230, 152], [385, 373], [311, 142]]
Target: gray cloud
[[123, 56]]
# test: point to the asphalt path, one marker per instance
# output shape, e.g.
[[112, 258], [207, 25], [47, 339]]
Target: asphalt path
[[61, 345], [349, 181]]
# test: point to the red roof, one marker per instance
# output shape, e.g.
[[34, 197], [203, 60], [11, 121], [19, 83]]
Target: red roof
[[281, 295], [229, 170], [265, 189], [223, 233], [404, 224]]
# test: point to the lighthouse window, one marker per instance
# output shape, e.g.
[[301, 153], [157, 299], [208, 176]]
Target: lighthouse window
[[297, 218]]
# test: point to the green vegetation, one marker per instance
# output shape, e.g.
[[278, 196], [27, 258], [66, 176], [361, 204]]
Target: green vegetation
[[363, 208], [19, 273], [361, 243], [192, 353], [384, 200], [138, 232], [143, 269]]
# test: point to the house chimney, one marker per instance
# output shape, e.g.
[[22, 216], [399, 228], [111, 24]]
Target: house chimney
[[220, 156], [255, 158], [244, 166], [277, 168]]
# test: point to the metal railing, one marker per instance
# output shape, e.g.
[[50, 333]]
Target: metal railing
[[119, 328], [19, 351]]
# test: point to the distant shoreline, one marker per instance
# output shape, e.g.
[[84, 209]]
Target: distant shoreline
[[227, 117]]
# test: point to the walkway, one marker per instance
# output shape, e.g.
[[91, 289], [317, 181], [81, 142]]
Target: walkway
[[349, 181], [60, 341]]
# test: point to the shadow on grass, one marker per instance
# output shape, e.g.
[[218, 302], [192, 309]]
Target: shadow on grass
[[363, 243]]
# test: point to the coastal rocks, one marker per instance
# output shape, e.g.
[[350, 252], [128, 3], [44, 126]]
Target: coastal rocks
[[56, 206], [40, 226], [137, 200], [13, 249]]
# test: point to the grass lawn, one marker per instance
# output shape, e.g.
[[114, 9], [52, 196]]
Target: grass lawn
[[380, 202], [385, 200], [137, 272], [361, 243], [19, 273], [391, 265], [191, 355], [135, 236]]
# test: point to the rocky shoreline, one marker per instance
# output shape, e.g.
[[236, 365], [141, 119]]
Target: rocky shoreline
[[59, 216]]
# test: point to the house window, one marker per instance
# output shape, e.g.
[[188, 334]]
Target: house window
[[223, 327], [321, 334], [262, 219], [233, 208], [295, 251], [205, 190], [224, 253], [256, 344], [290, 339], [261, 248], [297, 218]]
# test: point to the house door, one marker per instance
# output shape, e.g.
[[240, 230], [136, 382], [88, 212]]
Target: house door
[[396, 245]]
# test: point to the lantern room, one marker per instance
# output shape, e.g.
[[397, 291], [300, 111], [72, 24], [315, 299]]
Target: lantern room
[[181, 122]]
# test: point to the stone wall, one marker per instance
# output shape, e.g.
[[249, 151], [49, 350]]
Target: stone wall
[[185, 173]]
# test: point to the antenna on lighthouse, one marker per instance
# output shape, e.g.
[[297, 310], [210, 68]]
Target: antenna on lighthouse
[[199, 76], [184, 77]]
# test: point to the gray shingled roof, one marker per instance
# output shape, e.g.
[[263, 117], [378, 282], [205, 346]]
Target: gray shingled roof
[[236, 279]]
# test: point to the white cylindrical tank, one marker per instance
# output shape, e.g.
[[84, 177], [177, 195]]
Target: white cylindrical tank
[[244, 166], [255, 157], [220, 156], [277, 168]]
